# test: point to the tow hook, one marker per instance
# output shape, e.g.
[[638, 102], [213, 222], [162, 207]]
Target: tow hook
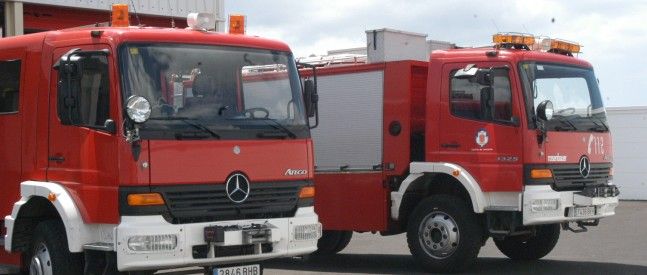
[[581, 225]]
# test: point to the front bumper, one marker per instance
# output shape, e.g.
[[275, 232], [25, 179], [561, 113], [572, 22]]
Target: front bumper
[[192, 235], [566, 201]]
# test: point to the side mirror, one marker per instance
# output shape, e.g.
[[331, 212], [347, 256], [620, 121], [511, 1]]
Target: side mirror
[[545, 110], [487, 103], [69, 88], [310, 97], [110, 126], [484, 77]]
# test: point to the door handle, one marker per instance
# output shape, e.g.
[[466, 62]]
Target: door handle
[[450, 145], [58, 159]]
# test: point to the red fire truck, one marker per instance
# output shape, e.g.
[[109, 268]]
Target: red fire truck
[[134, 149], [508, 141]]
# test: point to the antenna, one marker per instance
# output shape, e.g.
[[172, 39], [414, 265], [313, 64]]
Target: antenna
[[139, 23], [172, 16], [495, 26], [524, 28]]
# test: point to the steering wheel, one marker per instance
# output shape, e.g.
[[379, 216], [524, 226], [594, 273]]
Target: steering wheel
[[163, 107], [569, 110], [251, 112]]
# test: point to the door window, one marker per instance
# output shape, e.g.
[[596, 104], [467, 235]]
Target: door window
[[473, 100], [85, 97], [9, 86]]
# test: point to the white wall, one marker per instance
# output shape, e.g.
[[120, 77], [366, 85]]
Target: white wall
[[629, 133]]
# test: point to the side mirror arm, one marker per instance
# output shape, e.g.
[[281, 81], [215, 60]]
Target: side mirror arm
[[314, 98]]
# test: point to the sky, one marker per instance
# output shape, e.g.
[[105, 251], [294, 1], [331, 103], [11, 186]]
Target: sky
[[613, 33]]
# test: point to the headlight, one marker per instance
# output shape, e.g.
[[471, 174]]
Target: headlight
[[544, 205], [138, 109], [152, 243], [307, 232]]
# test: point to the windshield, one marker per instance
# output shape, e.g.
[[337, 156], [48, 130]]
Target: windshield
[[573, 91], [203, 92]]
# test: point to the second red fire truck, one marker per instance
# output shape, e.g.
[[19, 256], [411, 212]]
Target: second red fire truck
[[508, 141]]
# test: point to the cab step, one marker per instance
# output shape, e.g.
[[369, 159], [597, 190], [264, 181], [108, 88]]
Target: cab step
[[9, 269], [107, 247]]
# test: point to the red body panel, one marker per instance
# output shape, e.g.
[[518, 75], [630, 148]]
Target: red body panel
[[338, 203], [18, 132], [352, 201], [482, 162], [597, 146], [195, 162]]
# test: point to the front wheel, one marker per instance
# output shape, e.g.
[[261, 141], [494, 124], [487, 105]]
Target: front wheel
[[333, 242], [50, 254], [530, 247], [444, 234]]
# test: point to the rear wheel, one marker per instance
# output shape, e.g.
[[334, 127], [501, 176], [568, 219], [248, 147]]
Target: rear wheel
[[443, 234], [50, 254], [530, 247], [333, 241]]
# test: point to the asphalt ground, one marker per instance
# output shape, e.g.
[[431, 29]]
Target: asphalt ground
[[617, 246]]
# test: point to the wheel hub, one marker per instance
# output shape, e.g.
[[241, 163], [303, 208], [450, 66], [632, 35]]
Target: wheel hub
[[439, 235], [41, 262]]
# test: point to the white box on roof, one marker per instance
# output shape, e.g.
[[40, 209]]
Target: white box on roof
[[393, 45]]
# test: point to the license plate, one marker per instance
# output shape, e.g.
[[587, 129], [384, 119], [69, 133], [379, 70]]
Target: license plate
[[584, 211], [238, 270]]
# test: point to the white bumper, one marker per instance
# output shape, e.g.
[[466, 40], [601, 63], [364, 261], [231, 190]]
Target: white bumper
[[567, 200], [190, 235]]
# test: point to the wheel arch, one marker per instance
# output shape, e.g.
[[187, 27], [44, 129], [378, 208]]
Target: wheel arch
[[428, 179], [43, 201]]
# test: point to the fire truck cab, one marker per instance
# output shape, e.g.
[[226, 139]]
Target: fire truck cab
[[136, 149], [508, 141]]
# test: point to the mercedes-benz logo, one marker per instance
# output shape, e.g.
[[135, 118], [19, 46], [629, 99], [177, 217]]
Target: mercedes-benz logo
[[585, 166], [237, 187]]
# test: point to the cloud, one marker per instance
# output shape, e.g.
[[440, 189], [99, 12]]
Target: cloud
[[613, 34]]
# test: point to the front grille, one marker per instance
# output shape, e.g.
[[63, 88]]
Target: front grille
[[568, 178], [202, 251], [206, 203]]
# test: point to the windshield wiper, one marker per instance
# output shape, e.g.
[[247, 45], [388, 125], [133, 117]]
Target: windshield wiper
[[599, 127], [189, 121], [277, 125], [566, 122]]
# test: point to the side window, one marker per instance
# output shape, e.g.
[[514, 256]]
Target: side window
[[502, 98], [94, 98], [84, 92], [9, 86], [473, 99]]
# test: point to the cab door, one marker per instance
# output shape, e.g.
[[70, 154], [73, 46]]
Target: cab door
[[82, 143], [480, 125]]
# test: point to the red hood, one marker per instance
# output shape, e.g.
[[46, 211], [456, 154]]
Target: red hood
[[195, 162], [568, 147]]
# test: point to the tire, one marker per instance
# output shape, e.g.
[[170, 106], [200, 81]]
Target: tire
[[332, 242], [344, 240], [49, 252], [443, 234], [148, 272], [530, 247]]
